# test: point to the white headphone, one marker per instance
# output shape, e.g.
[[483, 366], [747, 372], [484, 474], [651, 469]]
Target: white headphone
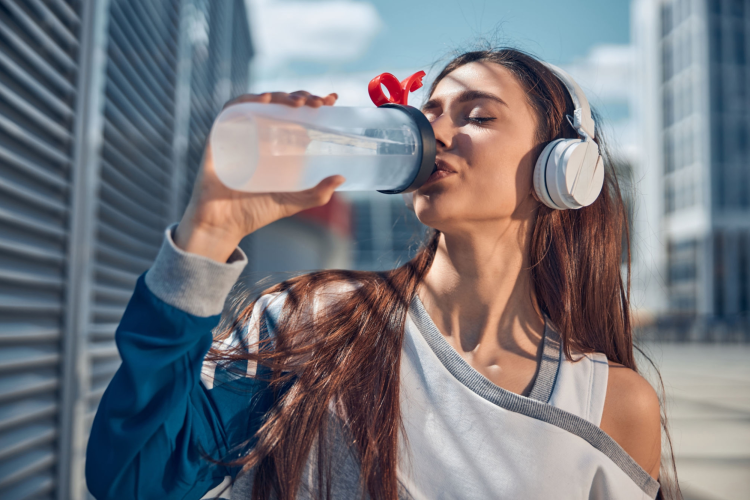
[[569, 173]]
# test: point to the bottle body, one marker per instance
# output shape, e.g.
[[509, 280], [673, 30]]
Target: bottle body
[[276, 148]]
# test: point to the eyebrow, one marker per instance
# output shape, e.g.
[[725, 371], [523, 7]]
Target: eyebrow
[[465, 96]]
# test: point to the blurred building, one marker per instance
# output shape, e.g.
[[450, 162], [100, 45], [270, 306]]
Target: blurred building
[[386, 232], [318, 238], [694, 109], [365, 231], [104, 110]]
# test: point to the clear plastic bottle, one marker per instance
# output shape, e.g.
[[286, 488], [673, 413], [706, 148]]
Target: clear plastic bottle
[[273, 148]]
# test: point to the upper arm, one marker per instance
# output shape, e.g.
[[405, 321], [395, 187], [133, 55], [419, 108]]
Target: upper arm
[[632, 417]]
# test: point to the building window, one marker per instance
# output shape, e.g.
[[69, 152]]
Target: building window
[[738, 8], [668, 107], [739, 44], [666, 61], [744, 272], [717, 143], [715, 6], [666, 19], [668, 157], [681, 274], [668, 197], [741, 144], [718, 274], [682, 265], [716, 40]]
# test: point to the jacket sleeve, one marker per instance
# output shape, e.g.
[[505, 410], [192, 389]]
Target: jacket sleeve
[[163, 418]]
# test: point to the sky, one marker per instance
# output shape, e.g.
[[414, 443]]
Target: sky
[[339, 45], [313, 37]]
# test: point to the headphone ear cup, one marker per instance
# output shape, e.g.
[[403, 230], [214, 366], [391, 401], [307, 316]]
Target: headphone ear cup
[[589, 177], [558, 167], [540, 175], [574, 174]]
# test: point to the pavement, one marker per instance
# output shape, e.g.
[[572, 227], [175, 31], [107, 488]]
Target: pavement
[[708, 410]]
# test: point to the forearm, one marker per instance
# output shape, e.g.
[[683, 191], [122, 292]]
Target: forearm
[[155, 417]]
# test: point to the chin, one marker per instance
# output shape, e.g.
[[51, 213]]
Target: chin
[[436, 211]]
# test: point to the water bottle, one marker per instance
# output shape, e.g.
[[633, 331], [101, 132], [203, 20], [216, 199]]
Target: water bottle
[[275, 148]]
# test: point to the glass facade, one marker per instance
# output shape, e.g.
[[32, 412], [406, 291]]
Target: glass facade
[[682, 274], [689, 129], [678, 106]]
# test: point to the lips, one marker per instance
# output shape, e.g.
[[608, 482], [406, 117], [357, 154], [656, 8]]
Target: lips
[[441, 171], [440, 165]]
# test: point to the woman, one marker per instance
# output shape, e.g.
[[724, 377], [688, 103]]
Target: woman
[[498, 363]]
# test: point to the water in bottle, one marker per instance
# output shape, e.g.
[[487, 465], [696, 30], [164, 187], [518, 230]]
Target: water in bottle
[[274, 148]]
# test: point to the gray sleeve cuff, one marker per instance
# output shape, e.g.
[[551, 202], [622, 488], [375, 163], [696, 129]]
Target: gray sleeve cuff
[[190, 282]]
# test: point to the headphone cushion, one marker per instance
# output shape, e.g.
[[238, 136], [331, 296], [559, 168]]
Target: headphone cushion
[[540, 175]]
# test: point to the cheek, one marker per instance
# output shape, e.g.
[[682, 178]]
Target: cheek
[[502, 172], [496, 180]]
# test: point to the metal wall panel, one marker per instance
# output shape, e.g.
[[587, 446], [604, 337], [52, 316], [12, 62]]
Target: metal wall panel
[[104, 110], [242, 50], [222, 50], [39, 45], [136, 166]]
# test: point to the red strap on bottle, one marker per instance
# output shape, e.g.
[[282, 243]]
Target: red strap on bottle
[[399, 91]]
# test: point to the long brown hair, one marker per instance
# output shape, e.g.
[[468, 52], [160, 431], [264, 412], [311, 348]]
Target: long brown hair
[[348, 355]]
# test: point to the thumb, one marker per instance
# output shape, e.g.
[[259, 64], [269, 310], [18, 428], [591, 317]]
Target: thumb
[[313, 197], [321, 194]]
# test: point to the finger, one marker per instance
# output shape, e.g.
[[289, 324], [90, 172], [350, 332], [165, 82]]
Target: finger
[[314, 101], [301, 93], [287, 99], [321, 193], [330, 99], [309, 99], [300, 97]]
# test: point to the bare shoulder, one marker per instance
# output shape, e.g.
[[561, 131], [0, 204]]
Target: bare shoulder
[[632, 417]]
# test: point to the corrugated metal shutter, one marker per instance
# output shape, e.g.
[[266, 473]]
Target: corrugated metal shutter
[[87, 184], [222, 49], [203, 103], [39, 44], [242, 49], [136, 168]]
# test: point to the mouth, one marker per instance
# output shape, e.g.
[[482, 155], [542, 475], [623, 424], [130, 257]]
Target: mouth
[[441, 171]]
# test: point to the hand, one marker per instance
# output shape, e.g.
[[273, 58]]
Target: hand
[[217, 218]]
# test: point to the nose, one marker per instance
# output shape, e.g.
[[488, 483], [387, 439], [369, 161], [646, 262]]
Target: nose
[[444, 132]]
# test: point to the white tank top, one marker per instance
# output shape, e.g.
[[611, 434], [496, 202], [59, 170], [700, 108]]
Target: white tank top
[[467, 438]]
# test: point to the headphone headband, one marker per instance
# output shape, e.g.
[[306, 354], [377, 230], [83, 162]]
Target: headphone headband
[[583, 122]]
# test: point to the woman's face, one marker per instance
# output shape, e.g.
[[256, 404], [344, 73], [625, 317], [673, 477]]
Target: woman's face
[[486, 137]]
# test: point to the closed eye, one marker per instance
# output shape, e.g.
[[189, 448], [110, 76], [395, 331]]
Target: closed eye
[[479, 119]]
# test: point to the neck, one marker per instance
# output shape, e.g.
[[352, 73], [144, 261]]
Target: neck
[[479, 288]]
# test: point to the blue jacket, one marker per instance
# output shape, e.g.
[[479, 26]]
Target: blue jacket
[[156, 415]]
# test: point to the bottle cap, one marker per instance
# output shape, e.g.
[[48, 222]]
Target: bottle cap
[[399, 91]]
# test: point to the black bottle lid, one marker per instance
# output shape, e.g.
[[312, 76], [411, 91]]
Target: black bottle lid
[[427, 152]]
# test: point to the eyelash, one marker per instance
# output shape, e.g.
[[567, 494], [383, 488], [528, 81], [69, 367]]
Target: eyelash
[[479, 120]]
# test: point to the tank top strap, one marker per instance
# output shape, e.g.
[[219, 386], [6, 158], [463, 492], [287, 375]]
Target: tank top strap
[[581, 385]]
